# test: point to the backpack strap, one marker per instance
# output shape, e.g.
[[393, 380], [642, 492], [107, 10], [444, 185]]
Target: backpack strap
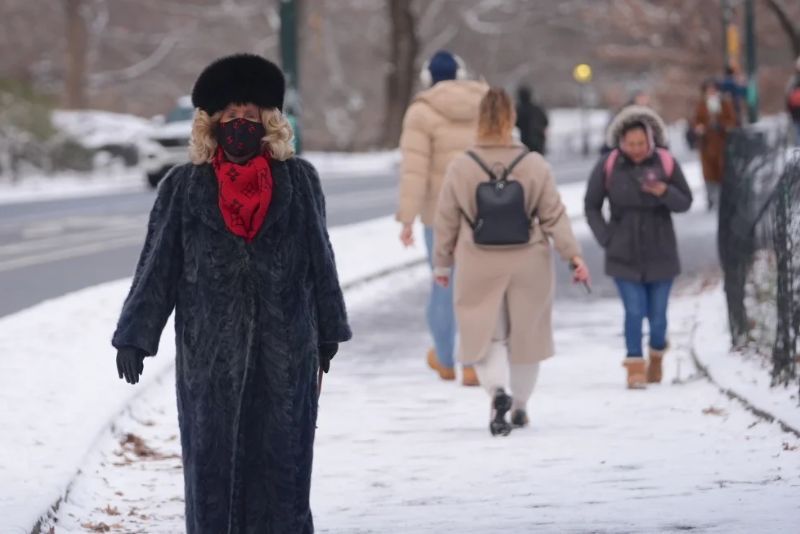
[[667, 161], [482, 164], [608, 166], [514, 163]]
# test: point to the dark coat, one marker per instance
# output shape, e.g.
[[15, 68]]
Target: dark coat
[[248, 321], [532, 123], [639, 240]]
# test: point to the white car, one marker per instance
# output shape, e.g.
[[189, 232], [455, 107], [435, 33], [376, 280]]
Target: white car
[[168, 143]]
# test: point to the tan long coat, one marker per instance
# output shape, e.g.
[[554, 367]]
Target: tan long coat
[[484, 275]]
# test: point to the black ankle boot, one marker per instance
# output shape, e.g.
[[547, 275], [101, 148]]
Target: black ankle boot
[[501, 404], [519, 418]]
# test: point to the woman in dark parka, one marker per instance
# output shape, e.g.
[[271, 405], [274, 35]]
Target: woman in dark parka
[[237, 245], [644, 186]]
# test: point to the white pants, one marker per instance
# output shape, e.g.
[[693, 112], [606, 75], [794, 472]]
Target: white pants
[[495, 372]]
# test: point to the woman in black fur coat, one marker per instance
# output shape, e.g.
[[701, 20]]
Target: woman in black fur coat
[[237, 245]]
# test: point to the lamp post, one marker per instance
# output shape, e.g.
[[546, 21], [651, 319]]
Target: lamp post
[[583, 75], [752, 61], [290, 63]]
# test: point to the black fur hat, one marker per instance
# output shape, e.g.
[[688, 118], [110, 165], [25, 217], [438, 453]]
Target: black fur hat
[[240, 79]]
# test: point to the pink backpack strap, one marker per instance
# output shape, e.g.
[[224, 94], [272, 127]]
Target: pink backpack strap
[[608, 166], [667, 161]]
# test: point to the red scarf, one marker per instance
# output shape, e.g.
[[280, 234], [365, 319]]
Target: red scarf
[[245, 193]]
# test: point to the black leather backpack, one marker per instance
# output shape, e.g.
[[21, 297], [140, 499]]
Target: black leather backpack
[[502, 219]]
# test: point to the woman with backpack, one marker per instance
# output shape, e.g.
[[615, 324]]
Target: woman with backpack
[[644, 185], [497, 212]]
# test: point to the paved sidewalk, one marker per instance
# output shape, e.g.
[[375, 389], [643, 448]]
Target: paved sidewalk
[[399, 451]]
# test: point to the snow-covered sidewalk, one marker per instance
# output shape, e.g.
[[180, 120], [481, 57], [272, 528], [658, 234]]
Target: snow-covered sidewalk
[[400, 451]]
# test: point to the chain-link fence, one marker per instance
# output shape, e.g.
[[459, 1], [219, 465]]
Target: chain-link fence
[[759, 247]]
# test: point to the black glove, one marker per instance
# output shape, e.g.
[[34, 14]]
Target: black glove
[[130, 363], [326, 352]]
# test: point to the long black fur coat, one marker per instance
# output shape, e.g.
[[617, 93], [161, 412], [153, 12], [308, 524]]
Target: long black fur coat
[[249, 318]]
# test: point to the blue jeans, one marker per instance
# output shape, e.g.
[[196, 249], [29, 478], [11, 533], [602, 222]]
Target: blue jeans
[[440, 313], [797, 133], [644, 299]]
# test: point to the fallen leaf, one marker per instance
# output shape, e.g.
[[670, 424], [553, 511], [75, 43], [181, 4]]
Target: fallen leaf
[[96, 527], [110, 510], [713, 410]]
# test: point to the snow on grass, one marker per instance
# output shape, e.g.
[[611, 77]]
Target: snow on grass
[[58, 381], [747, 376], [400, 451]]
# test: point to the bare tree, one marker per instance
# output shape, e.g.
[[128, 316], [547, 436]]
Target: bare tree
[[76, 54], [400, 77], [788, 24]]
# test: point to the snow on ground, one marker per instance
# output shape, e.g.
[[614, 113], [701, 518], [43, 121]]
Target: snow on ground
[[746, 376], [95, 129], [58, 380], [400, 451], [73, 185], [350, 165]]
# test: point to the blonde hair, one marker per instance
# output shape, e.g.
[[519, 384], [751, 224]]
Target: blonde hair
[[279, 141], [497, 115]]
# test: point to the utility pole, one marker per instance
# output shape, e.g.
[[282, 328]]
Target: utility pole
[[752, 61], [727, 19], [290, 63]]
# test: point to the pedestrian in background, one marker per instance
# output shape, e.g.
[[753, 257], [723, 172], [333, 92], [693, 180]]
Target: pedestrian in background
[[531, 121], [644, 185], [237, 245], [439, 124], [503, 294], [639, 97], [714, 117], [733, 87], [793, 100]]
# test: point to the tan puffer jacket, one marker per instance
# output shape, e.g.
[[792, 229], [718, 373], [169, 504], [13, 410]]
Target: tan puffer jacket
[[440, 124]]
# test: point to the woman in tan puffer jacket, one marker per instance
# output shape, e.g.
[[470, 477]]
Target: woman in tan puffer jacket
[[439, 125]]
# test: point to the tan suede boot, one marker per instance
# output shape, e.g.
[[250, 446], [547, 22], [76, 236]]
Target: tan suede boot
[[654, 366], [445, 373], [469, 377], [637, 373]]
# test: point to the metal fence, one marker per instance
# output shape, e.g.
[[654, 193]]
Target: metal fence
[[759, 247]]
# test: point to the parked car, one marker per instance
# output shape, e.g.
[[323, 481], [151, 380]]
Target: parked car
[[168, 143]]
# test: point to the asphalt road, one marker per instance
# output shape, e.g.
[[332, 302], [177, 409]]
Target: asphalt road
[[51, 248]]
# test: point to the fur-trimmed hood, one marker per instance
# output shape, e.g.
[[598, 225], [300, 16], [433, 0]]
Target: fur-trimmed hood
[[632, 114]]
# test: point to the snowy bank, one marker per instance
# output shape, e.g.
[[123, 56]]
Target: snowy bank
[[748, 378], [58, 383]]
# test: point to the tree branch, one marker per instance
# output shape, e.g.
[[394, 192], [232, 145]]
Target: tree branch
[[792, 31]]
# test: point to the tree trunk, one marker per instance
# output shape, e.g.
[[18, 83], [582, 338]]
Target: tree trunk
[[788, 25], [400, 78], [77, 53]]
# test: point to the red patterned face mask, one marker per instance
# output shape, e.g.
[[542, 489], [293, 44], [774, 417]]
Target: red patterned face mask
[[240, 137], [245, 193]]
